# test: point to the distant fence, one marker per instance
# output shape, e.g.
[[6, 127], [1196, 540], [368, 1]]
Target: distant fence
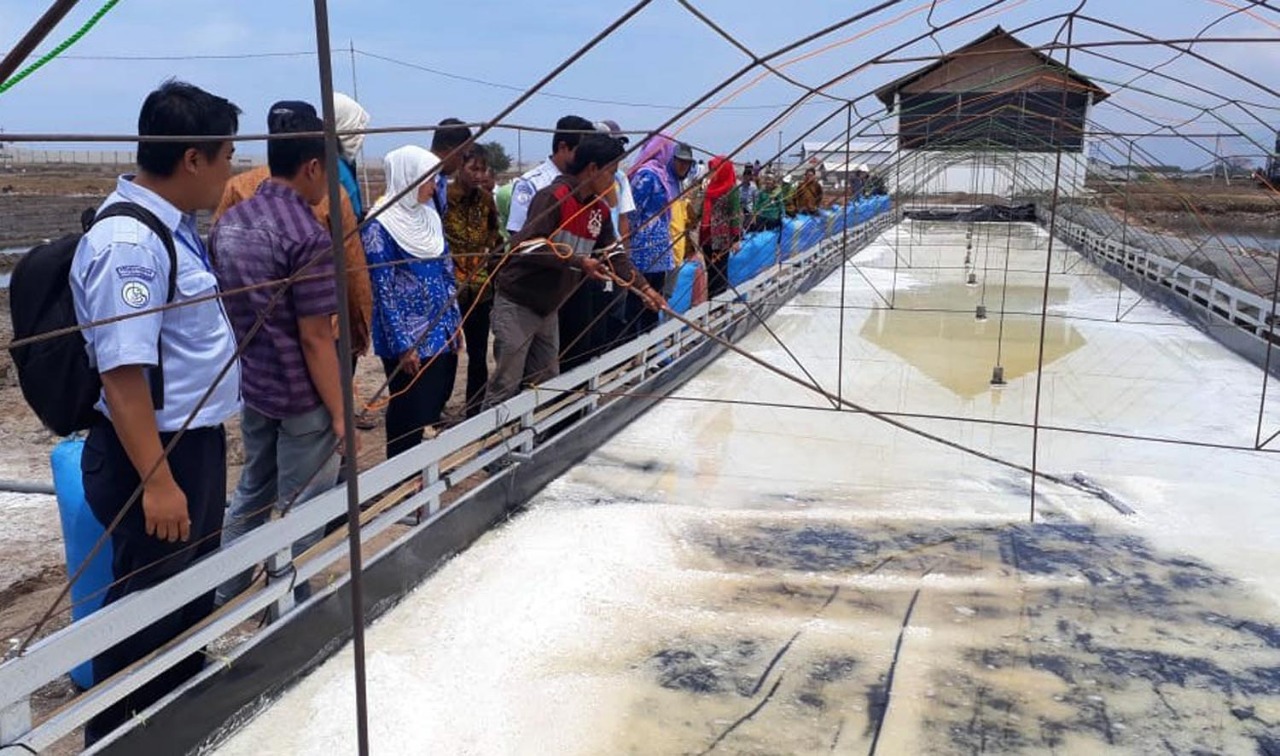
[[14, 157], [68, 157], [1242, 321]]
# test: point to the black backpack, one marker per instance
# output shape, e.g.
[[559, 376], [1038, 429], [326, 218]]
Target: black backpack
[[54, 373]]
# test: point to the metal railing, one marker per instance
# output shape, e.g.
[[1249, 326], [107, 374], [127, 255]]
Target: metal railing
[[1241, 320], [510, 432]]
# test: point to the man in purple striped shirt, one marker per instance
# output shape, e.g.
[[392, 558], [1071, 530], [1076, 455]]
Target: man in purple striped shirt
[[275, 262]]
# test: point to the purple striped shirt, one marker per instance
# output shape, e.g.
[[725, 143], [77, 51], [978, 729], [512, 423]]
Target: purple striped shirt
[[270, 237]]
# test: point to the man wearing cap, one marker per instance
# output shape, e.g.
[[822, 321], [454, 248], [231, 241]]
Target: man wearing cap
[[584, 325], [620, 199], [685, 161]]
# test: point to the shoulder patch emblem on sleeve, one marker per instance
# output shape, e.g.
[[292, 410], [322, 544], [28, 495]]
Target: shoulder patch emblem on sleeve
[[523, 193], [135, 294]]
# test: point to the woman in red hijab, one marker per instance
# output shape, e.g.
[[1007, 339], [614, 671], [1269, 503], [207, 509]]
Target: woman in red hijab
[[720, 231]]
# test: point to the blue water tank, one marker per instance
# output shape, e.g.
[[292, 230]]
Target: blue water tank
[[812, 230], [759, 250], [789, 243], [833, 221], [682, 294], [80, 532]]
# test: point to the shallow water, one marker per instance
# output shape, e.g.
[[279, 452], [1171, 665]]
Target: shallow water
[[726, 578]]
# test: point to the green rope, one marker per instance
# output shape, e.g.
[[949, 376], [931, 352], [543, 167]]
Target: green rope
[[55, 52]]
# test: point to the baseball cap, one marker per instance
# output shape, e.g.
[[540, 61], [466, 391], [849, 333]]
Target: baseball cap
[[285, 113], [683, 152], [612, 129]]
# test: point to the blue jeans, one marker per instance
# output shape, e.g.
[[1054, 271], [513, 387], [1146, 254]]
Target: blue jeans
[[284, 460]]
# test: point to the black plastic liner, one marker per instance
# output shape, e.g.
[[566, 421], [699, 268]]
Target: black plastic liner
[[980, 214]]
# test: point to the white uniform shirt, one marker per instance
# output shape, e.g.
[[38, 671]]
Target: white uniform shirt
[[121, 270], [524, 188]]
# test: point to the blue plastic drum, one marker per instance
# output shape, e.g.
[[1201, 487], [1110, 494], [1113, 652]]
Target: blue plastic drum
[[80, 532]]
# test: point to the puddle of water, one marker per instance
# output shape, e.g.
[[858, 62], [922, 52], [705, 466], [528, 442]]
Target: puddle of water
[[973, 346]]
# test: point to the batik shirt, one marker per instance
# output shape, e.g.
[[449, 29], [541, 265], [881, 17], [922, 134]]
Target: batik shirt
[[413, 300], [471, 226], [723, 229]]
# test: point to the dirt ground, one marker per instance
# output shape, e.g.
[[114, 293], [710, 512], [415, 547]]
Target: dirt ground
[[38, 203]]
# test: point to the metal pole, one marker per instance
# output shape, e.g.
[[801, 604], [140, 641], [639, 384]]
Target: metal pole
[[1217, 159], [323, 51], [844, 252], [1270, 322], [355, 95], [34, 36], [1124, 229], [1044, 303], [897, 227]]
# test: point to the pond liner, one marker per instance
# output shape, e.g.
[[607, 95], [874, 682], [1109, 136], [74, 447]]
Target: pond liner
[[980, 214]]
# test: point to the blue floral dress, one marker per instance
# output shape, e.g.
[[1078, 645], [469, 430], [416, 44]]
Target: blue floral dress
[[411, 297], [651, 250]]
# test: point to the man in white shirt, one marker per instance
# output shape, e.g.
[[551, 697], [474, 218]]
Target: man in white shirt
[[569, 131]]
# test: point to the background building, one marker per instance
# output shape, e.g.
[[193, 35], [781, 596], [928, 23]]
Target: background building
[[991, 118]]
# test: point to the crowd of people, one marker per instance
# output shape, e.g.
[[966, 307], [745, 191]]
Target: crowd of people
[[552, 269]]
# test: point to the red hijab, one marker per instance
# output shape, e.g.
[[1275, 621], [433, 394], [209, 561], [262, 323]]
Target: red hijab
[[723, 179]]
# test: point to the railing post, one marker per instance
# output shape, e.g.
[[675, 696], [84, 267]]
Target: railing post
[[280, 567], [526, 424], [593, 398], [431, 476], [15, 721]]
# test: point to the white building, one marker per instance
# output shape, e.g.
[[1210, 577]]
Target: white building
[[837, 159]]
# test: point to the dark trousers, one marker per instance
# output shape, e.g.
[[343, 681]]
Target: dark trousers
[[139, 561], [635, 317], [717, 273], [584, 324], [475, 328], [415, 404], [604, 333]]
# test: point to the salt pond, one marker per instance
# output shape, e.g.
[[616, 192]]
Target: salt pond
[[740, 578]]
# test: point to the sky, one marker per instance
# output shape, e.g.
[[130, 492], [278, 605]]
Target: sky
[[661, 59]]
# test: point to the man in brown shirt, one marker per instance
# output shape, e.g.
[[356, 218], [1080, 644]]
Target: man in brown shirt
[[807, 198], [568, 234]]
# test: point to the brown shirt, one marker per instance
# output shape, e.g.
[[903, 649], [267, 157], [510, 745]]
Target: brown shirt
[[541, 276], [808, 197], [359, 295]]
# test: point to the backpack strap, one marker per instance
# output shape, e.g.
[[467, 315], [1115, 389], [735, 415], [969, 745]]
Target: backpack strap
[[149, 219]]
